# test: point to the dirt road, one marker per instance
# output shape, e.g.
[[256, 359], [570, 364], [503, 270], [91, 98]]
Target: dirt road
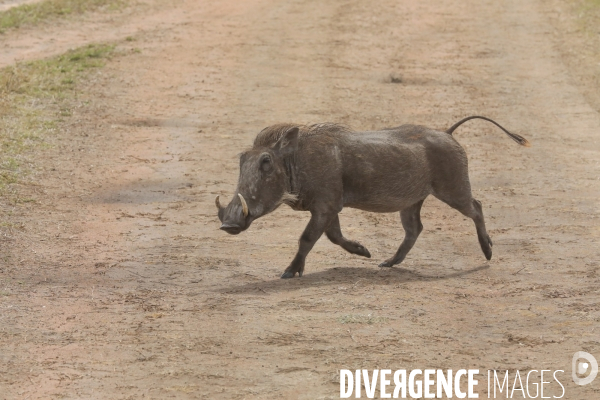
[[122, 286]]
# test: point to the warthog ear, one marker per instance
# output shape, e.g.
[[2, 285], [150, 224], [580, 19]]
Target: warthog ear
[[288, 142]]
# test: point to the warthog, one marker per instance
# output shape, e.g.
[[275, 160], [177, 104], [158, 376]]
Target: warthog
[[325, 167]]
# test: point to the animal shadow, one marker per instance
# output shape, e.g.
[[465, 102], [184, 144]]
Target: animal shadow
[[344, 276]]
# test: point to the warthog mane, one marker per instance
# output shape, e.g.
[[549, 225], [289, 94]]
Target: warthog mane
[[271, 134]]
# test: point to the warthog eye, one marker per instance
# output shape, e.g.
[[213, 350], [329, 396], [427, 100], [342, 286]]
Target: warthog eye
[[265, 162]]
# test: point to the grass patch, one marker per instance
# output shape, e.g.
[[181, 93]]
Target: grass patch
[[361, 319], [583, 56], [32, 14], [55, 76], [588, 12], [34, 98]]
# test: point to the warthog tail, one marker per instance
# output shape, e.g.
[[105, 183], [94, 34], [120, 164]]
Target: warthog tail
[[517, 138]]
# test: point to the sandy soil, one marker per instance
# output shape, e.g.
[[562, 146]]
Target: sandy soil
[[120, 284]]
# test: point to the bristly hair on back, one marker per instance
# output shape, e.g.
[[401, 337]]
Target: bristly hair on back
[[271, 134]]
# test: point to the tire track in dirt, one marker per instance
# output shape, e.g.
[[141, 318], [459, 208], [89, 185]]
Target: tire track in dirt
[[59, 35]]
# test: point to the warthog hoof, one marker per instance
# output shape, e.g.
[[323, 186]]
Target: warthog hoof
[[288, 275], [362, 251], [356, 248], [488, 254], [486, 246], [387, 264]]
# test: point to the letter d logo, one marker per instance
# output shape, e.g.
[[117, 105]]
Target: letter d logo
[[580, 368]]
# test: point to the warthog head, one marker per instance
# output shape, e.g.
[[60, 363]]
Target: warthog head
[[263, 185]]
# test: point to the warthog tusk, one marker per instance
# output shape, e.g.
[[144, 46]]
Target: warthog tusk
[[244, 205], [218, 203]]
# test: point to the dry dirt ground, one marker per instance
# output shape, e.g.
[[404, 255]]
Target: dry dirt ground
[[120, 284]]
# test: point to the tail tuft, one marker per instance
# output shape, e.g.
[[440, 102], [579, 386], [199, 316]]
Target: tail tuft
[[520, 139]]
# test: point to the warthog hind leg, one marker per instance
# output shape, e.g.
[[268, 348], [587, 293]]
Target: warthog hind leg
[[476, 213], [411, 222], [472, 208], [334, 233]]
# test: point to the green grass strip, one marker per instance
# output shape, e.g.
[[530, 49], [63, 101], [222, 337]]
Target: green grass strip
[[34, 98], [32, 14]]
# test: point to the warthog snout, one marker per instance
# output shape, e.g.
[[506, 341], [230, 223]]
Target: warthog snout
[[231, 228], [234, 217]]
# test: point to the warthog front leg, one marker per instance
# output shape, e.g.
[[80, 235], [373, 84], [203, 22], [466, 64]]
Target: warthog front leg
[[318, 223], [334, 233], [411, 221]]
